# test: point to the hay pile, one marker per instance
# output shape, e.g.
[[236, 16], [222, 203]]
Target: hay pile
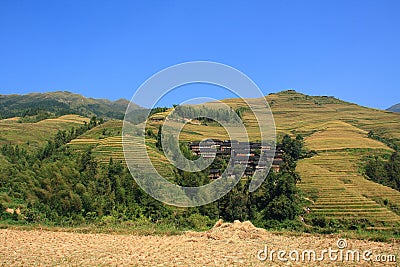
[[232, 231]]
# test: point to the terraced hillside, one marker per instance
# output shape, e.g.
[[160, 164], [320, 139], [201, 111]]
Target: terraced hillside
[[338, 191], [35, 134], [337, 130], [106, 142], [298, 113]]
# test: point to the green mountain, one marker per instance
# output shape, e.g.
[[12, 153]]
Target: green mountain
[[60, 103], [394, 108], [343, 135], [340, 133]]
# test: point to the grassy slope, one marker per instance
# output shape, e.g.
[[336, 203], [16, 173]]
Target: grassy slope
[[35, 134], [336, 129], [109, 145], [295, 112]]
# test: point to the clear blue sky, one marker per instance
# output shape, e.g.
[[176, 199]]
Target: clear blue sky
[[106, 49]]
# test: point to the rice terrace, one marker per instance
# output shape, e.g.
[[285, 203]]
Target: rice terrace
[[334, 192], [332, 178], [199, 133]]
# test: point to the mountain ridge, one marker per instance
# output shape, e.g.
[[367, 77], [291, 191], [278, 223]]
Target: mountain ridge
[[68, 96], [394, 108], [60, 103]]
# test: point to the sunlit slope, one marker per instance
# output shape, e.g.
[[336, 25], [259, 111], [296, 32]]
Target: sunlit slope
[[106, 142], [336, 135], [36, 134], [337, 130], [95, 136], [195, 130], [332, 181], [298, 113]]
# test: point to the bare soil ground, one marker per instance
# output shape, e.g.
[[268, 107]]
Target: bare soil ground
[[236, 244]]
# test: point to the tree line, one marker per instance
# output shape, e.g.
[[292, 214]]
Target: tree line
[[382, 169], [386, 172], [205, 114], [57, 185]]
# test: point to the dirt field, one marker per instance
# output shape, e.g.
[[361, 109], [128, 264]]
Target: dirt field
[[236, 244]]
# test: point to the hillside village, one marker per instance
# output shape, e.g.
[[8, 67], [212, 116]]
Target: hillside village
[[254, 155]]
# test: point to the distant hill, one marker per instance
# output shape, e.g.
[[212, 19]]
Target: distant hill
[[394, 108], [60, 103]]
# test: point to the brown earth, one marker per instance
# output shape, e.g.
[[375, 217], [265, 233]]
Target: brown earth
[[227, 244]]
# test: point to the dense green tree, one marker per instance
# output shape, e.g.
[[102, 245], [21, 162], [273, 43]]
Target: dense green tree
[[159, 136], [57, 185], [386, 172]]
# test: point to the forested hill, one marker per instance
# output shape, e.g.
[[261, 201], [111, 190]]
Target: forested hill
[[59, 103], [65, 171]]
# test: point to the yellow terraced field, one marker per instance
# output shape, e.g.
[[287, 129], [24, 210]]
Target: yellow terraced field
[[105, 148], [337, 130], [338, 191], [296, 112], [339, 135], [35, 134]]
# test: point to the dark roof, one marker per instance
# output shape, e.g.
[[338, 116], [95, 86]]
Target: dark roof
[[211, 140], [277, 162], [194, 143], [279, 147], [262, 163]]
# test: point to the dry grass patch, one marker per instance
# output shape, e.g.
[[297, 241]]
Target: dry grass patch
[[36, 134], [234, 244]]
